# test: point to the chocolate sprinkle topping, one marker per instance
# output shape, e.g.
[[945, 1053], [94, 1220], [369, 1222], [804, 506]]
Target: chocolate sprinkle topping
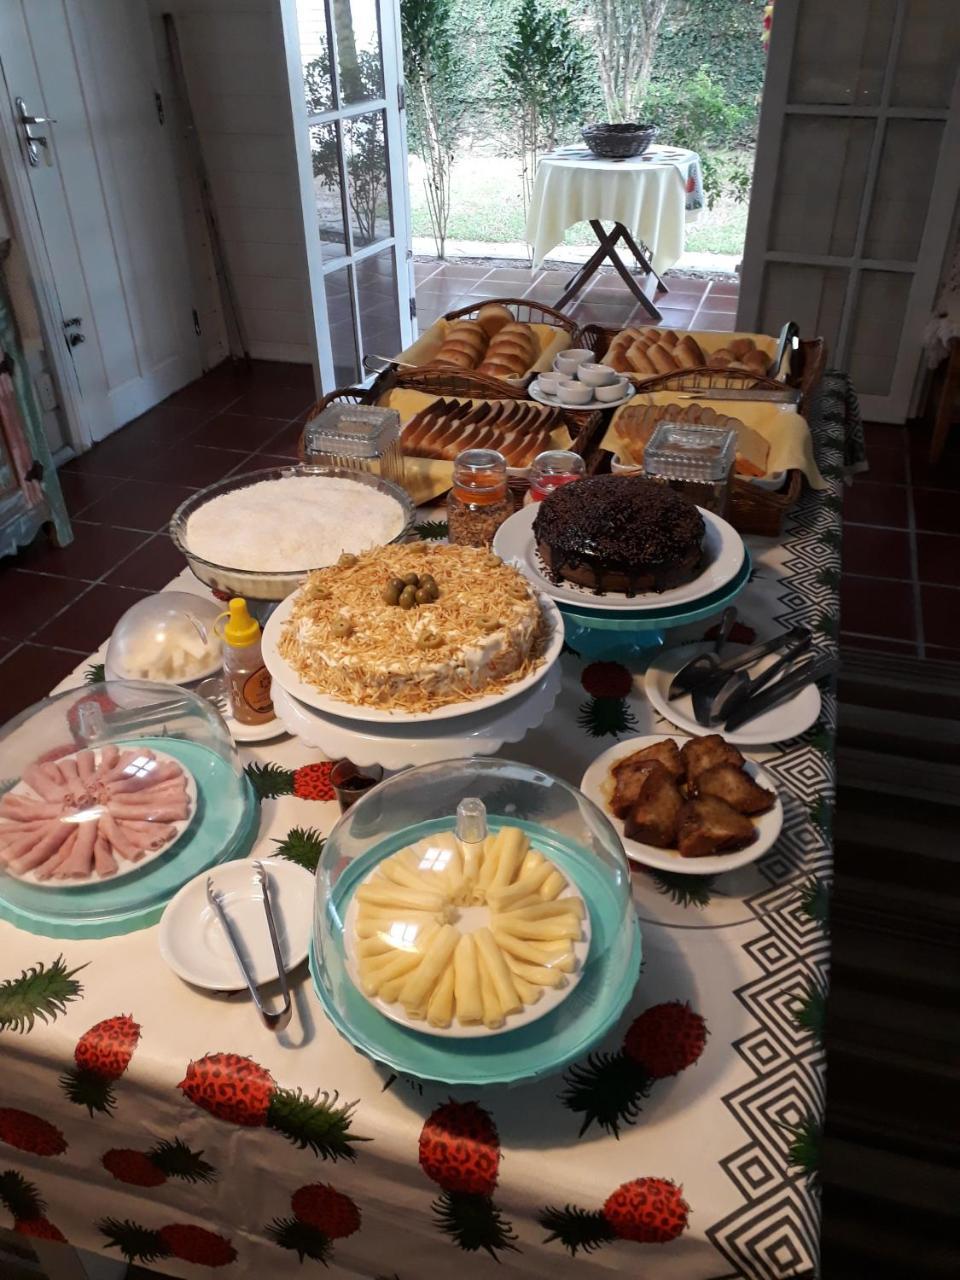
[[621, 524]]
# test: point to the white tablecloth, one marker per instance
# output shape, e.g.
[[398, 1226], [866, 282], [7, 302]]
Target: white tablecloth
[[653, 195]]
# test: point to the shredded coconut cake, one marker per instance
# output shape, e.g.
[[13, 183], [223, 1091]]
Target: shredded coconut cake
[[294, 523]]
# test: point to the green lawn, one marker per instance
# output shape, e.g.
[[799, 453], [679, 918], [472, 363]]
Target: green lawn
[[486, 204]]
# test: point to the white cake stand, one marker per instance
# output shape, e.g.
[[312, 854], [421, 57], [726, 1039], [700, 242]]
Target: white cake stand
[[401, 746]]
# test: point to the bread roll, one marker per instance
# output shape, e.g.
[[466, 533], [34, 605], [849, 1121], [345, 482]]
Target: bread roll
[[688, 354], [721, 359], [458, 359], [740, 346], [617, 359], [756, 362], [492, 317], [464, 348], [499, 369], [661, 358], [666, 338], [640, 361]]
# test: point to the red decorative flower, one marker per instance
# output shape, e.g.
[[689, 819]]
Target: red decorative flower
[[606, 680]]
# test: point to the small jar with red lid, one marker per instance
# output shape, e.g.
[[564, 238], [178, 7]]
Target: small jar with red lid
[[479, 501], [550, 470]]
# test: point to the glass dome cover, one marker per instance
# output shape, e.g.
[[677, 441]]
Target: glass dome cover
[[168, 638], [112, 797], [418, 808]]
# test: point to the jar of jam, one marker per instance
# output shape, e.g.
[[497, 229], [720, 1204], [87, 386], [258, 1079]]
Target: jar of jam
[[550, 470], [479, 501]]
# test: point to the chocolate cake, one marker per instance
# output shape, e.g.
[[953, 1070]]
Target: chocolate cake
[[619, 533]]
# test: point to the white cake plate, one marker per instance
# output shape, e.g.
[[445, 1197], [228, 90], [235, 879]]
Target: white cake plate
[[401, 746]]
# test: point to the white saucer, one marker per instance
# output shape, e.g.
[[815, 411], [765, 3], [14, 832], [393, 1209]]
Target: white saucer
[[722, 550], [401, 746], [786, 721], [284, 675], [594, 785], [253, 732], [535, 392], [193, 943]]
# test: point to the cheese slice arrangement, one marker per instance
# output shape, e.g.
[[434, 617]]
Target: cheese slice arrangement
[[466, 934]]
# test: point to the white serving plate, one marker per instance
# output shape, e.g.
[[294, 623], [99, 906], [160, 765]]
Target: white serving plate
[[401, 746], [595, 785], [723, 553], [124, 868], [284, 675], [191, 937], [474, 918], [536, 392], [786, 721]]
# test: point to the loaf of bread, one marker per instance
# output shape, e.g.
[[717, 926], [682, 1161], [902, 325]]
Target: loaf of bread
[[634, 425], [492, 316], [512, 351], [648, 352], [516, 428], [463, 345]]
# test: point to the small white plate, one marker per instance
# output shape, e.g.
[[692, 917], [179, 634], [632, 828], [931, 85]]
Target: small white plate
[[786, 721], [193, 943], [595, 784], [545, 397], [254, 732], [722, 552], [285, 676]]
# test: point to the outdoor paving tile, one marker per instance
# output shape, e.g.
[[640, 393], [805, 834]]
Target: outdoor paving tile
[[936, 510], [29, 673], [527, 274], [150, 567], [938, 559], [941, 610], [715, 321], [94, 551], [32, 599], [139, 504], [724, 288], [461, 271], [884, 504], [870, 610], [88, 619], [881, 552]]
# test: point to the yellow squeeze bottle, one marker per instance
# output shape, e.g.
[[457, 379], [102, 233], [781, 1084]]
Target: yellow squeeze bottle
[[247, 680]]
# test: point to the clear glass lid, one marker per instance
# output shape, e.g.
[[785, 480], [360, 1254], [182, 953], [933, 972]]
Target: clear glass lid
[[113, 796], [468, 899], [168, 638]]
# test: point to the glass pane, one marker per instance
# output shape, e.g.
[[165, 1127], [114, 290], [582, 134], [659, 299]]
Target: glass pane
[[841, 51], [368, 194], [343, 343], [829, 157], [379, 308], [356, 26], [929, 54], [908, 164], [315, 55], [328, 190], [876, 329], [813, 296]]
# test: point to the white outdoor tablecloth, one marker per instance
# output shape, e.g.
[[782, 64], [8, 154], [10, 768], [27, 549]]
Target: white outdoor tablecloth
[[653, 196]]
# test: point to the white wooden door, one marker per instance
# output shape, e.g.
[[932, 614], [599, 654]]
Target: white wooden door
[[346, 86], [856, 182], [104, 199]]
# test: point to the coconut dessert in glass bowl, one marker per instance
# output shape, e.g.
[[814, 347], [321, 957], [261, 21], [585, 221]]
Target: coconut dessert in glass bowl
[[260, 534]]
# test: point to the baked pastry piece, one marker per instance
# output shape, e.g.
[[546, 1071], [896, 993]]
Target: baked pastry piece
[[628, 780], [655, 815], [619, 533], [512, 351], [736, 787], [665, 753], [492, 316], [708, 825], [650, 352], [463, 345], [703, 753]]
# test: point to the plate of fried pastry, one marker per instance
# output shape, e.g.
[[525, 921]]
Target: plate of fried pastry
[[693, 805]]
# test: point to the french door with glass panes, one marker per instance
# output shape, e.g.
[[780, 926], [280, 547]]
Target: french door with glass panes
[[346, 84], [856, 185]]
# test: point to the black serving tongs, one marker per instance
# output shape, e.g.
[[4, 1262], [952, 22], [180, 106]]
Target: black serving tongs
[[739, 688], [706, 667], [816, 667]]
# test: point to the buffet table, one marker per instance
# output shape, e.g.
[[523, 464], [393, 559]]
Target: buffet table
[[405, 1180]]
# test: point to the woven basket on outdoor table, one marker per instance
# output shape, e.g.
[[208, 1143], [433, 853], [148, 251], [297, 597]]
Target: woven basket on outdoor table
[[586, 429]]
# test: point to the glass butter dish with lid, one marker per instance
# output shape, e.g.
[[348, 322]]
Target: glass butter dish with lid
[[355, 437], [697, 461]]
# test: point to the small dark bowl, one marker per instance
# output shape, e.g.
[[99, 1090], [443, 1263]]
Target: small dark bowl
[[618, 141]]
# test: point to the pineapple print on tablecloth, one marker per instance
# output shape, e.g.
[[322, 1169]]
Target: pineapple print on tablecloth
[[460, 1151], [309, 782], [609, 1088], [40, 992], [646, 1211], [240, 1091], [27, 1132], [23, 1201], [178, 1240], [609, 684], [153, 1168], [101, 1057], [321, 1214]]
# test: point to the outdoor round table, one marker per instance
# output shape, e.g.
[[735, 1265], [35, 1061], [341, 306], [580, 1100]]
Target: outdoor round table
[[649, 199]]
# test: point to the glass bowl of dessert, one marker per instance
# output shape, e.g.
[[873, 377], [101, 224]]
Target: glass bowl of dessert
[[260, 534], [473, 923], [114, 796]]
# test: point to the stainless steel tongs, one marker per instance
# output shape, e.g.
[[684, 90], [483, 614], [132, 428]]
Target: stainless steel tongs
[[272, 1021]]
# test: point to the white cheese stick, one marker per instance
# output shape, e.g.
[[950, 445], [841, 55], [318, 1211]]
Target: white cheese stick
[[397, 925], [541, 930], [527, 992], [373, 976], [503, 898], [553, 886], [398, 872], [536, 974], [415, 993], [467, 981], [533, 859], [491, 855], [492, 1012], [550, 954], [381, 944], [472, 853], [496, 967], [513, 849], [440, 1008], [394, 896], [547, 910]]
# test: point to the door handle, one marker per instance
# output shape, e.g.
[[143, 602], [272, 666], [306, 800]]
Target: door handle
[[33, 141]]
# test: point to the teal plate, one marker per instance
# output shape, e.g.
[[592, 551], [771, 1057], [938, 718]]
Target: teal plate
[[537, 1049], [223, 827]]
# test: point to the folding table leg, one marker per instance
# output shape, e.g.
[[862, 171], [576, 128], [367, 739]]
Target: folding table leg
[[643, 258], [580, 278], [623, 271]]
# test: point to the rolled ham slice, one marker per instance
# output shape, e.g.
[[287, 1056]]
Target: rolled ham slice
[[165, 813], [52, 865], [104, 863], [43, 848], [23, 809], [163, 773], [80, 862], [87, 768], [126, 845], [36, 776]]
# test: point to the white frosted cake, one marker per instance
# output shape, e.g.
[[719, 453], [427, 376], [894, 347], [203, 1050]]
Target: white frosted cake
[[464, 624]]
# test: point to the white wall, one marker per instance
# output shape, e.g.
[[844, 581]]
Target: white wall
[[234, 62]]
